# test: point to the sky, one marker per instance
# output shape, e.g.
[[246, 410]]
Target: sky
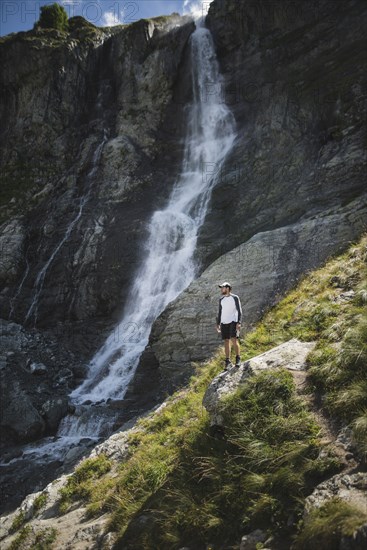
[[20, 15]]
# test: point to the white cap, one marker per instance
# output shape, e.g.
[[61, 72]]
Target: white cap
[[226, 283]]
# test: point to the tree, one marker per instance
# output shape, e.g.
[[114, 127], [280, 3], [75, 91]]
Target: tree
[[53, 16]]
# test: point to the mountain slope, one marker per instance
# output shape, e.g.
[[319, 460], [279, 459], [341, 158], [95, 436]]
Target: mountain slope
[[171, 481]]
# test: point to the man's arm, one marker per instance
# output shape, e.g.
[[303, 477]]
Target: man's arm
[[218, 318], [237, 301]]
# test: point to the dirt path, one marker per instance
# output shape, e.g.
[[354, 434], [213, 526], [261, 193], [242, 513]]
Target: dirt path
[[329, 431]]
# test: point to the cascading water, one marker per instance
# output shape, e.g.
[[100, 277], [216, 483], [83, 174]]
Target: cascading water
[[168, 267]]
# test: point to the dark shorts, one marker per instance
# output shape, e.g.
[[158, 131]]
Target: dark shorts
[[228, 330]]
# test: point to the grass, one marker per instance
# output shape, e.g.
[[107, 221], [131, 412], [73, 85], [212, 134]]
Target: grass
[[326, 525], [338, 363], [31, 539], [254, 477], [80, 484], [181, 485], [18, 521], [39, 502]]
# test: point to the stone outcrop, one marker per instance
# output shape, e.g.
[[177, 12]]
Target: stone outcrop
[[291, 355], [350, 488]]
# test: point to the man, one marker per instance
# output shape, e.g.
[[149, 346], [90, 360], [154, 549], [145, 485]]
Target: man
[[229, 322]]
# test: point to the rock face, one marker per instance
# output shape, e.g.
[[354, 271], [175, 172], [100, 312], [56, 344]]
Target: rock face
[[290, 355], [90, 130], [299, 103]]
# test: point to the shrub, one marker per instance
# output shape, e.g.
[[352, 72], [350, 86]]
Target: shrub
[[53, 16]]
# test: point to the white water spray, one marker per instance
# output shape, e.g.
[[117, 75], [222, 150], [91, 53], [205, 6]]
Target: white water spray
[[168, 267]]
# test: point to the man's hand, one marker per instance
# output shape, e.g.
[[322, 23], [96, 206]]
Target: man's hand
[[218, 328], [238, 326]]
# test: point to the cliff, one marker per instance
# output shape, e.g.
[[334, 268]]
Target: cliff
[[90, 136], [63, 98]]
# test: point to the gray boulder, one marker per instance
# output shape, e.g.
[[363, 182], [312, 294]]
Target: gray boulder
[[22, 419], [350, 488], [250, 541], [53, 410], [38, 368]]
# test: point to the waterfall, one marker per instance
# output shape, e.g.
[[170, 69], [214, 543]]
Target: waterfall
[[167, 266]]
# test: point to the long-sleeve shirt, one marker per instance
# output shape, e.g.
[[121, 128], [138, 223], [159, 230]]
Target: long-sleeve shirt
[[229, 309]]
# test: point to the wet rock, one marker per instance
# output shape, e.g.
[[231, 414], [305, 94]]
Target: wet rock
[[74, 454], [64, 376], [26, 353], [53, 410], [10, 455]]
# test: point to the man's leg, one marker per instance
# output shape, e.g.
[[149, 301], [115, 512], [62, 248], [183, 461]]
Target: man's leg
[[227, 348], [236, 346]]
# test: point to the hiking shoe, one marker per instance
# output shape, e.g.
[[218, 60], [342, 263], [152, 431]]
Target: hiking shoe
[[228, 364], [238, 361]]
